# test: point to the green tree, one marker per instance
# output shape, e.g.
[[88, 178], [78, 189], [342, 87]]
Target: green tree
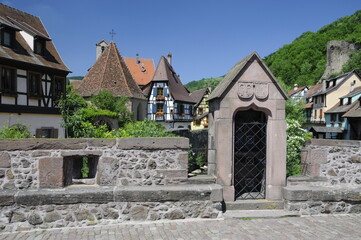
[[105, 100], [354, 63]]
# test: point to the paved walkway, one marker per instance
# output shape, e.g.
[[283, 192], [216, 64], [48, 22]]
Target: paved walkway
[[317, 227]]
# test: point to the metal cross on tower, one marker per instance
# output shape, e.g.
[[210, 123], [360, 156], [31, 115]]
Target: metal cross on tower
[[112, 33]]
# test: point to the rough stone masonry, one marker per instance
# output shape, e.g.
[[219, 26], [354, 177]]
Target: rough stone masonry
[[138, 179]]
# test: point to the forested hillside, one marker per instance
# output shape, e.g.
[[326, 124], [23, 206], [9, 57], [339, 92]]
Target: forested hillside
[[203, 83], [304, 60]]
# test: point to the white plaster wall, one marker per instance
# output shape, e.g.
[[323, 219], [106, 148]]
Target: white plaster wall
[[34, 121], [21, 72], [33, 102], [22, 99], [28, 38], [7, 100], [21, 84]]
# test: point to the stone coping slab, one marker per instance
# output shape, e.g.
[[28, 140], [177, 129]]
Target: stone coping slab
[[84, 143], [101, 194], [333, 142], [321, 193]]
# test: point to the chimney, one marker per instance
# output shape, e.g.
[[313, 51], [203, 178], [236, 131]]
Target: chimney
[[137, 60], [100, 47], [295, 87], [352, 86], [170, 58]]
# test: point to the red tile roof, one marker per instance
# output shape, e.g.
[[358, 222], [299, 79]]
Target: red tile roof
[[165, 72], [313, 89], [110, 72], [142, 69], [21, 51]]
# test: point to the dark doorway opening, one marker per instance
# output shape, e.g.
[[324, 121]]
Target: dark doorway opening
[[250, 142]]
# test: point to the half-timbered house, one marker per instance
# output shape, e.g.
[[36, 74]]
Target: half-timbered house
[[201, 108], [169, 102], [32, 74]]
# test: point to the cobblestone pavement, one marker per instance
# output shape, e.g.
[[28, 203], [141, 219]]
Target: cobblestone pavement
[[316, 227]]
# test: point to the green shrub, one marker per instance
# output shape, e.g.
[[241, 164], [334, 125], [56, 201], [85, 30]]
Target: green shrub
[[146, 128], [16, 131], [85, 168], [296, 136]]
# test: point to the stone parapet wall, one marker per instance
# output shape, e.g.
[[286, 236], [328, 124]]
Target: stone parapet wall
[[84, 206], [339, 161], [331, 183], [134, 180], [38, 163]]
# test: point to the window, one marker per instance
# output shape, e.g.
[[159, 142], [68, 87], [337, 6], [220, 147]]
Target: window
[[39, 46], [320, 113], [160, 92], [333, 117], [8, 80], [181, 109], [46, 132], [160, 107], [7, 37], [34, 84], [58, 88], [200, 111], [315, 115], [341, 119]]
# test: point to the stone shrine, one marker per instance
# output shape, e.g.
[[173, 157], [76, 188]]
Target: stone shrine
[[247, 132]]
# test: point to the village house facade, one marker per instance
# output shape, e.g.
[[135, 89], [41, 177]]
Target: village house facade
[[33, 75], [201, 108], [327, 97], [169, 102]]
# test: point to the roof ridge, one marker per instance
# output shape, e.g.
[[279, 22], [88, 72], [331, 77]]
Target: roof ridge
[[17, 10], [121, 66]]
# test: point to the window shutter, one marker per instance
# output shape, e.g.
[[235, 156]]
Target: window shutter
[[165, 108], [149, 108], [55, 133], [154, 91], [38, 133], [165, 92], [154, 108]]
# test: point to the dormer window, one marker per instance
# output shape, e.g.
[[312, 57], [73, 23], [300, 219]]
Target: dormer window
[[39, 46], [7, 37]]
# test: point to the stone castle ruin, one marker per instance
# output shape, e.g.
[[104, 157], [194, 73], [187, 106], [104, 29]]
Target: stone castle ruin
[[338, 53]]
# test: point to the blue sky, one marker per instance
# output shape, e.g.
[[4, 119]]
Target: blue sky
[[206, 37]]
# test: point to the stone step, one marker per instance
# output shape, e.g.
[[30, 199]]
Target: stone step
[[201, 179], [255, 204], [239, 214]]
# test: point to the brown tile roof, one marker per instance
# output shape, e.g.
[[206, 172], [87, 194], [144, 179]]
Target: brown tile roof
[[76, 83], [142, 69], [165, 72], [21, 51], [354, 111], [110, 72], [313, 89], [198, 95], [294, 91]]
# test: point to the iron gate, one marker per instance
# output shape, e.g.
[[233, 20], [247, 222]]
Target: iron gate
[[250, 160]]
